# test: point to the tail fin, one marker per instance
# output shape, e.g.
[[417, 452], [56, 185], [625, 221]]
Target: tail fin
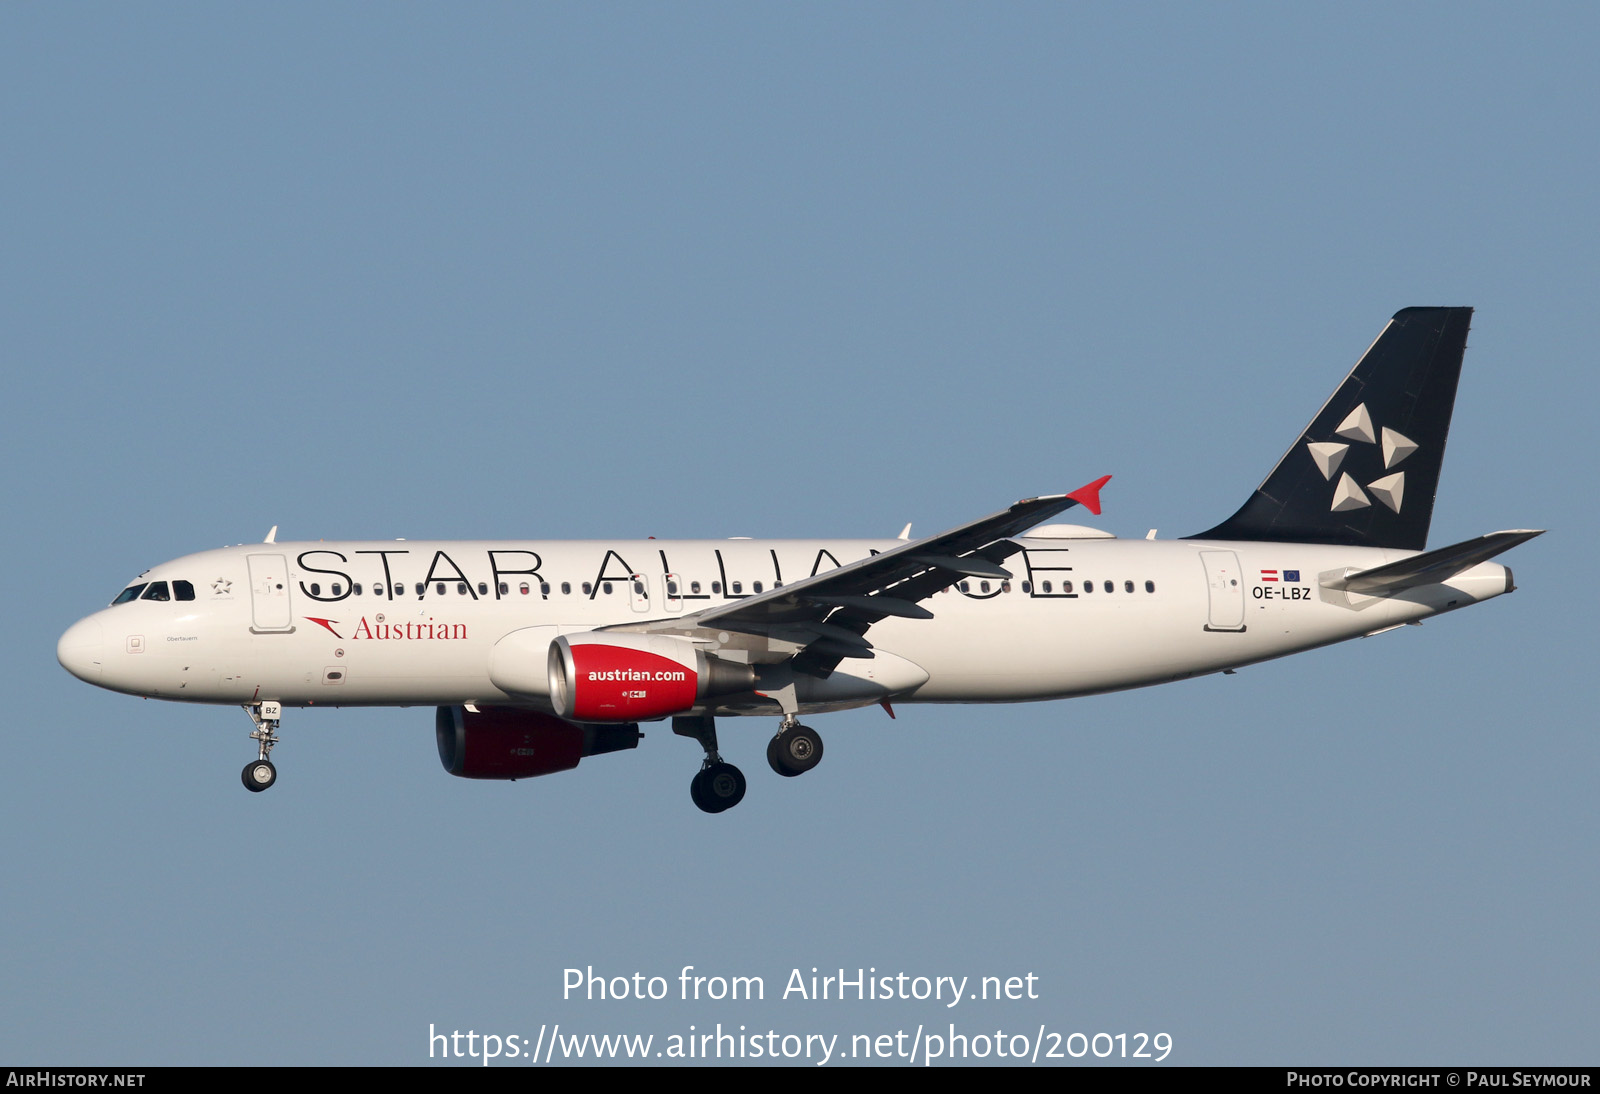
[[1365, 471]]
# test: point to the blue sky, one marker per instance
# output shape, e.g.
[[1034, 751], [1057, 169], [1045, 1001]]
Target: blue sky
[[521, 271]]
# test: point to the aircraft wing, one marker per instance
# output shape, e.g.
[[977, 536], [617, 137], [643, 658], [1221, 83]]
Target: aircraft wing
[[823, 619]]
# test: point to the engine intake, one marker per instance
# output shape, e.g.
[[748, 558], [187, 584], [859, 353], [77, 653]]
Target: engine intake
[[616, 676]]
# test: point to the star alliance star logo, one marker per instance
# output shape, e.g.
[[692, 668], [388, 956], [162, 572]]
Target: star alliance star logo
[[1328, 455], [221, 587]]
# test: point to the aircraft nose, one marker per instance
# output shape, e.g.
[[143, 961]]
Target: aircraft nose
[[80, 650]]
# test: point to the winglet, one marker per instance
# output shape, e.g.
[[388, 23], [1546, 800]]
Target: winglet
[[1089, 496]]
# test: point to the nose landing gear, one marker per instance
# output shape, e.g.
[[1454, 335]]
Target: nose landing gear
[[259, 773]]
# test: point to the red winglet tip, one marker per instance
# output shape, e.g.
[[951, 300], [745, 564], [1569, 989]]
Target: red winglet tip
[[1089, 496]]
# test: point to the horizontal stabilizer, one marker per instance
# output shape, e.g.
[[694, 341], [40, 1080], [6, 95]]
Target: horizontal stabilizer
[[1432, 567]]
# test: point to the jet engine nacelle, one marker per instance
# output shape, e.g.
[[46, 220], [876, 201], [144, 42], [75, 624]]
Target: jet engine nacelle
[[605, 676], [503, 743]]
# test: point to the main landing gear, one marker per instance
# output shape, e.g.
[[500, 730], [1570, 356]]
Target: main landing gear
[[719, 785], [795, 749], [259, 773]]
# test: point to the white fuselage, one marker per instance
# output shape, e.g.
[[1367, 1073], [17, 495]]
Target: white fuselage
[[403, 623]]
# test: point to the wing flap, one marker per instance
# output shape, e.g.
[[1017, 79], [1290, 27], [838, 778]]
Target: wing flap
[[888, 605]]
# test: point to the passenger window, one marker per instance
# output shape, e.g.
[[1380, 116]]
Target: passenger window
[[738, 587], [483, 588], [438, 587], [757, 586], [400, 590], [338, 589], [523, 588], [1127, 586], [156, 590], [421, 588], [461, 588], [130, 593], [1005, 586], [504, 588], [638, 588], [1066, 586], [966, 586], [356, 589], [983, 586], [1088, 586], [588, 589], [1046, 586], [544, 588], [316, 590], [716, 586], [607, 587], [1110, 588], [182, 590], [672, 588], [1149, 586], [1027, 587], [694, 586], [566, 588]]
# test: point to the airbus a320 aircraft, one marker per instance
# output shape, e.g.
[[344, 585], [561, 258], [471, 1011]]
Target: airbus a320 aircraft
[[538, 654]]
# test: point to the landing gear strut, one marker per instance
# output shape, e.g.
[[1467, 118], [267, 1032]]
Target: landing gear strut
[[719, 785], [795, 749], [259, 773]]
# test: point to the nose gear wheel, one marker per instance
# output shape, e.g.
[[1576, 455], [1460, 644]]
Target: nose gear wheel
[[258, 775]]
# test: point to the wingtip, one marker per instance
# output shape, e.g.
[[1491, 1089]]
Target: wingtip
[[1089, 496]]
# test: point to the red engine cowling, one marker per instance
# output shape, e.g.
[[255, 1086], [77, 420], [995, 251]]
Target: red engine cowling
[[617, 676], [503, 743]]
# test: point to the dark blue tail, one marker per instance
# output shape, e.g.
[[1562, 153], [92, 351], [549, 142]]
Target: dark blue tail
[[1365, 471]]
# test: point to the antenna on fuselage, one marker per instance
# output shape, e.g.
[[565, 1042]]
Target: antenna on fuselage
[[272, 536]]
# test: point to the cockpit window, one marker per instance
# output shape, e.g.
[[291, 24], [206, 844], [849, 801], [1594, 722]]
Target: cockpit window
[[130, 593], [156, 590], [182, 590]]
